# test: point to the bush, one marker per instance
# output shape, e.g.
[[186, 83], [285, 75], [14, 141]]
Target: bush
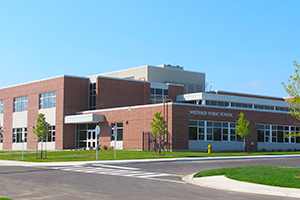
[[264, 149], [111, 148], [99, 147], [91, 148], [273, 150], [105, 147], [289, 150], [279, 149]]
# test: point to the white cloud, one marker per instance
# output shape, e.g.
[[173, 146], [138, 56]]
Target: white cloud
[[255, 84]]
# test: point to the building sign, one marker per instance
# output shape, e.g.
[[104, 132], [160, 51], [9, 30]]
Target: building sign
[[209, 113]]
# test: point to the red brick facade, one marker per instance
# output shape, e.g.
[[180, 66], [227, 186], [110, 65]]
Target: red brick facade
[[126, 101]]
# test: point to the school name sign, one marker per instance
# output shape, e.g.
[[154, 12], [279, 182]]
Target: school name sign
[[209, 113]]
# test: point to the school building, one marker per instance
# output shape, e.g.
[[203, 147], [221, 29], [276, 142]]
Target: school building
[[127, 100]]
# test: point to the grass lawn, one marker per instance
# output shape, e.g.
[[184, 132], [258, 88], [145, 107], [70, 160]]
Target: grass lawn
[[4, 198], [283, 176], [54, 156]]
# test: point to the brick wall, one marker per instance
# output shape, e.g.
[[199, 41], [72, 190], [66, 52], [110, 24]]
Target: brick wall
[[32, 91], [75, 99], [118, 93]]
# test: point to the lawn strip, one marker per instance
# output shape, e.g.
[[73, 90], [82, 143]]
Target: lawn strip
[[282, 176]]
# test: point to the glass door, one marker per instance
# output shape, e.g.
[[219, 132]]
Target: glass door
[[91, 139]]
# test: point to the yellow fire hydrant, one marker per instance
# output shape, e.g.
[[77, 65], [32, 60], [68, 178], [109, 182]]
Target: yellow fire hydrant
[[209, 148]]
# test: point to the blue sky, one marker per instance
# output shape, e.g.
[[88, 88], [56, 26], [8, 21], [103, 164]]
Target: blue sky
[[242, 46]]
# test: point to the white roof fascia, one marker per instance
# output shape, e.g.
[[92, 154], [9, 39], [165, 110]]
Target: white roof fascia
[[124, 108], [82, 119]]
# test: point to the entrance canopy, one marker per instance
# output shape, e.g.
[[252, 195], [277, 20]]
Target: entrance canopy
[[83, 119]]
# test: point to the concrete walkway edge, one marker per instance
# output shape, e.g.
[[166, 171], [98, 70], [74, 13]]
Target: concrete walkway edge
[[223, 183]]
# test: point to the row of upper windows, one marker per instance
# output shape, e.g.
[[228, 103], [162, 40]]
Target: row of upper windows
[[245, 105], [20, 104]]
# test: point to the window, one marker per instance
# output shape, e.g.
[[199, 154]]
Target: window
[[216, 103], [119, 131], [212, 131], [20, 104], [1, 138], [276, 133], [19, 135], [51, 134], [1, 106], [157, 95], [92, 96], [47, 100], [201, 130]]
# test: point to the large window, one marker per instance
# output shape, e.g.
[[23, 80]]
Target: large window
[[20, 104], [47, 100], [1, 138], [212, 131], [1, 106], [157, 95], [119, 131], [19, 135], [276, 134]]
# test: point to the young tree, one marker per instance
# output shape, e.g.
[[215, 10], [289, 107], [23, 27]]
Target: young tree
[[41, 130], [242, 128], [158, 128], [293, 89]]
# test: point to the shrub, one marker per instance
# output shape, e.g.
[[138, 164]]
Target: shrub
[[91, 148], [105, 147], [279, 149], [264, 149], [111, 148]]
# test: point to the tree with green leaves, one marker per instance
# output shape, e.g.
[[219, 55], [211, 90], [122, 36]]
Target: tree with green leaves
[[292, 87], [41, 130], [158, 128], [242, 128]]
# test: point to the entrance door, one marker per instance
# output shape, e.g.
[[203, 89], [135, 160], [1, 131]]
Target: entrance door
[[91, 138]]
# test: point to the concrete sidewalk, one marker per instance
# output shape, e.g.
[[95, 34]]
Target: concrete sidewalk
[[223, 183], [133, 161]]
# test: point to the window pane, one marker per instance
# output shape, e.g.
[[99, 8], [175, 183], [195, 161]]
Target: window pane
[[217, 134], [192, 133]]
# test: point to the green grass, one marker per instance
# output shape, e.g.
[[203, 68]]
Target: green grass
[[282, 176], [55, 156], [4, 199]]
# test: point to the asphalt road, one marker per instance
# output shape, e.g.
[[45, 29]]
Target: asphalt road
[[131, 181]]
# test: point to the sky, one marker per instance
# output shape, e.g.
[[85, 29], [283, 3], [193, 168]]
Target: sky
[[241, 46]]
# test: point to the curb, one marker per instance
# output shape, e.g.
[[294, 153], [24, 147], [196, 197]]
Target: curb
[[224, 183]]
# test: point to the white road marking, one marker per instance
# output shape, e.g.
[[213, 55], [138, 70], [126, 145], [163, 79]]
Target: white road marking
[[119, 171]]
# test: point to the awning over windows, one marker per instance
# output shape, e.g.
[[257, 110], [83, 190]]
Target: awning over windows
[[82, 119]]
